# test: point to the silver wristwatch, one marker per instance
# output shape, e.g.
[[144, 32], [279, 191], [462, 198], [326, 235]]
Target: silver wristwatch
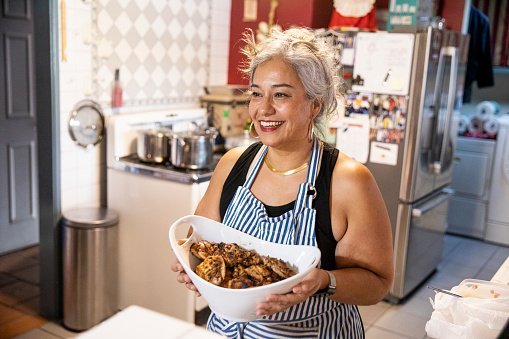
[[331, 289]]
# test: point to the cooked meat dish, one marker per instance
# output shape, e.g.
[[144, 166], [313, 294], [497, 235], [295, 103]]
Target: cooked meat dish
[[231, 266], [212, 269]]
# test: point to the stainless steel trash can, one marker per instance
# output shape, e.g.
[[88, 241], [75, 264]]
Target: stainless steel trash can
[[90, 274]]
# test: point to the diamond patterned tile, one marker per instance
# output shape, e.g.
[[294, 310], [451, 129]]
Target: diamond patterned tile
[[159, 5], [123, 23], [151, 13], [175, 6], [158, 26], [141, 52], [141, 25], [142, 4], [161, 48], [104, 22]]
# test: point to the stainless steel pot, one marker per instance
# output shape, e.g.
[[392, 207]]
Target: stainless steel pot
[[193, 149], [153, 145]]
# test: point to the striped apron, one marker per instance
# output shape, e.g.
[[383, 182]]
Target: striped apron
[[318, 316]]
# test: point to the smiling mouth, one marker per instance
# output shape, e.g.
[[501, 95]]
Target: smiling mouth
[[270, 123]]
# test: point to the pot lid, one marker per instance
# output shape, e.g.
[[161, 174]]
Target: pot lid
[[197, 133], [86, 124]]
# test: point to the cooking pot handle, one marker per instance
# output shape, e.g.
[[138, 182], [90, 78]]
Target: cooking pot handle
[[212, 131]]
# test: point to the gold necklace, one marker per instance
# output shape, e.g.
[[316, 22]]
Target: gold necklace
[[288, 172]]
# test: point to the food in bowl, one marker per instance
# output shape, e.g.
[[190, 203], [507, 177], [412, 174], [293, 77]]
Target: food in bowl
[[231, 266], [237, 304]]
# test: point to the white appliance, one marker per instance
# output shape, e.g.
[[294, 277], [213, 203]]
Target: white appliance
[[149, 198], [497, 227]]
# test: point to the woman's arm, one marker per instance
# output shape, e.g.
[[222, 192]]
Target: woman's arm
[[360, 223]]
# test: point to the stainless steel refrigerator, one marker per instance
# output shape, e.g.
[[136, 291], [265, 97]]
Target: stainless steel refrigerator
[[412, 134]]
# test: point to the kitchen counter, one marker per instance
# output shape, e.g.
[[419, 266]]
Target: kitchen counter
[[138, 322]]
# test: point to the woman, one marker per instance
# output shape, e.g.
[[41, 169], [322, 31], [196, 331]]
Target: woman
[[334, 204]]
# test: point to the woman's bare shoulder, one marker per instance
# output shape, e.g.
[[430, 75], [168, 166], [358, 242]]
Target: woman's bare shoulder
[[348, 170], [226, 163], [229, 159]]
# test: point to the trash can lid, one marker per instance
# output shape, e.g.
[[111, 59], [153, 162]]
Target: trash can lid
[[90, 217]]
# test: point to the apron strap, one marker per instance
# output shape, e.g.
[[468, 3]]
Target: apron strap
[[307, 190], [254, 170]]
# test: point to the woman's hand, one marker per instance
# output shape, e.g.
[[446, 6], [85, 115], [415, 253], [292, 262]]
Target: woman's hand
[[183, 278], [274, 303]]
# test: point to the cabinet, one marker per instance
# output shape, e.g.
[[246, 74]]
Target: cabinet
[[471, 182]]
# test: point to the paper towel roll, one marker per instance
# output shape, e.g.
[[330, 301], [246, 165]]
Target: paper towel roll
[[491, 126], [463, 123], [485, 110], [475, 126]]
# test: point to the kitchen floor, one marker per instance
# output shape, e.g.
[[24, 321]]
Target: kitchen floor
[[463, 258]]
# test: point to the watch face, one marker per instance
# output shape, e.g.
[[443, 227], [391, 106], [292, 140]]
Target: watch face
[[86, 125]]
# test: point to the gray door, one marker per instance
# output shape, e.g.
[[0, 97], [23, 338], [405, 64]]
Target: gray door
[[18, 157]]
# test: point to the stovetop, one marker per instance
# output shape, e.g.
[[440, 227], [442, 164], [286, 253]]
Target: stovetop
[[132, 163]]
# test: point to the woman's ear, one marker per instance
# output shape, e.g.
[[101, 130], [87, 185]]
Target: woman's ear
[[316, 106]]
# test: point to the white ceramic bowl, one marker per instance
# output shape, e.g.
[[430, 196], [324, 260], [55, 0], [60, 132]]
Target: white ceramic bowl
[[237, 304]]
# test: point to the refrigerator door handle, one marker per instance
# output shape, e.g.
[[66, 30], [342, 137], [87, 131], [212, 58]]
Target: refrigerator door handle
[[451, 96], [429, 205]]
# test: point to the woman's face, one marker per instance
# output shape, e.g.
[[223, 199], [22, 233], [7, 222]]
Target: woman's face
[[279, 107]]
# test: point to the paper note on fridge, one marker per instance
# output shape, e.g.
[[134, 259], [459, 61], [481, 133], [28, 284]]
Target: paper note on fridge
[[352, 137], [383, 62], [383, 153]]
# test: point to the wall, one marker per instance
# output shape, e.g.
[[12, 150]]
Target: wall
[[314, 14], [161, 48], [96, 46]]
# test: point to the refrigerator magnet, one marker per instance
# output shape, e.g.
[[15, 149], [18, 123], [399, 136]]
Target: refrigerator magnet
[[352, 137], [383, 153]]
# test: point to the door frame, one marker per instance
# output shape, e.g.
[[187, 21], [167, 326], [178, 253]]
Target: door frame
[[48, 155]]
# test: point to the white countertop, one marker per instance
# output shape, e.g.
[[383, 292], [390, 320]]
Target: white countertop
[[137, 322]]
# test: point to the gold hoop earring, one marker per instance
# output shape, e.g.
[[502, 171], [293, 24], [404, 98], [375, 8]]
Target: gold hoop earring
[[252, 131], [311, 132]]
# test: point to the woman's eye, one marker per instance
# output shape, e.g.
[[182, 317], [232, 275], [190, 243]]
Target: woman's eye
[[281, 95], [255, 94]]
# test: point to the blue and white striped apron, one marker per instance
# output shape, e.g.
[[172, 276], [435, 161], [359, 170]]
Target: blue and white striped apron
[[317, 317]]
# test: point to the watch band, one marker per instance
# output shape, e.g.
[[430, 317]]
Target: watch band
[[331, 289]]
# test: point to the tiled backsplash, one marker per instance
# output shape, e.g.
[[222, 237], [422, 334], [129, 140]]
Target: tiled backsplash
[[161, 48], [166, 50]]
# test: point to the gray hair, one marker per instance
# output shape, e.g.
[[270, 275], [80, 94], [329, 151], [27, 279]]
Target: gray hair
[[310, 57]]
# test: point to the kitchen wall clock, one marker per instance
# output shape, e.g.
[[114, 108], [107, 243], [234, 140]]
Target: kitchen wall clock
[[86, 124]]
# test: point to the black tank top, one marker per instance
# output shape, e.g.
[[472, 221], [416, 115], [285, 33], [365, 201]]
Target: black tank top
[[323, 227]]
